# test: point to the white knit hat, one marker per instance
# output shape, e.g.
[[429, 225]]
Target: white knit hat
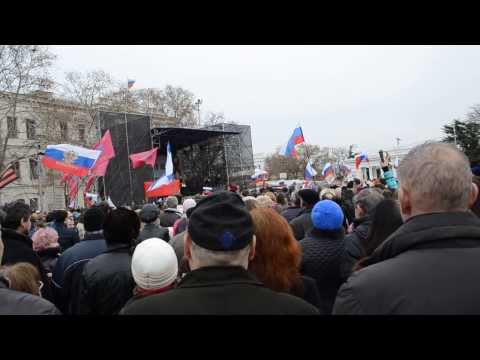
[[187, 204], [154, 264]]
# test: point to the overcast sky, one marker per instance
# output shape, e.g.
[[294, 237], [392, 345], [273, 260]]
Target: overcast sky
[[340, 95]]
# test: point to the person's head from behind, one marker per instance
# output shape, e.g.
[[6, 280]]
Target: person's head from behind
[[435, 177], [149, 213], [308, 198], [154, 265], [264, 201], [366, 201], [172, 202], [476, 205], [281, 199], [93, 219], [121, 226], [45, 238], [386, 219], [219, 233], [327, 216], [272, 196], [22, 277], [105, 207], [188, 203], [250, 203], [17, 217], [328, 194], [277, 252], [60, 216]]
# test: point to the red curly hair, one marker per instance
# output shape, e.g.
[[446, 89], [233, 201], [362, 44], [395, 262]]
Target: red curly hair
[[277, 252]]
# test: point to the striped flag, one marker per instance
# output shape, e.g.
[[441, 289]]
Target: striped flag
[[130, 83], [8, 176]]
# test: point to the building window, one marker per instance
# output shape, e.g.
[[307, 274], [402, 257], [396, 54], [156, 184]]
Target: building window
[[34, 204], [12, 126], [63, 130], [16, 167], [81, 133], [34, 169], [30, 129]]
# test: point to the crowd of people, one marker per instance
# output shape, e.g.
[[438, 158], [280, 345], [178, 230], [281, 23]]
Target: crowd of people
[[395, 246]]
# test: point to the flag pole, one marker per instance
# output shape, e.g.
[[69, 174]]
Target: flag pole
[[128, 147], [307, 152], [103, 177]]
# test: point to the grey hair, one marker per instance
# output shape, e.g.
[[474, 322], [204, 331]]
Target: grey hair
[[438, 177], [368, 199], [204, 257], [172, 202]]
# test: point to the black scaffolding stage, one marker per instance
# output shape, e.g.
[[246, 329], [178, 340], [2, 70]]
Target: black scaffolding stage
[[201, 157]]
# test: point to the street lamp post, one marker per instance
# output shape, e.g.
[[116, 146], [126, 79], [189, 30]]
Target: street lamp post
[[198, 103]]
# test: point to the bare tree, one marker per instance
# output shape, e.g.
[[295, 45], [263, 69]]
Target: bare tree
[[90, 90], [23, 70], [295, 167]]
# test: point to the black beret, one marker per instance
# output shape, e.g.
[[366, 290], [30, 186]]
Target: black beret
[[221, 222]]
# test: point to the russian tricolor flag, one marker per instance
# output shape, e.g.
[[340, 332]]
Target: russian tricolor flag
[[310, 172], [168, 177], [295, 139], [70, 159], [359, 158], [327, 170]]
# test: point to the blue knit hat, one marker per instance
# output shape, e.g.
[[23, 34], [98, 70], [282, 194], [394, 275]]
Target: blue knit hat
[[327, 215]]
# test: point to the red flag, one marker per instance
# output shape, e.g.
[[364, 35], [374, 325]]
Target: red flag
[[144, 158], [73, 187], [65, 178], [105, 146], [89, 182], [164, 190]]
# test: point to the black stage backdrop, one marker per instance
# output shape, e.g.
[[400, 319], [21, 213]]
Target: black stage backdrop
[[118, 186]]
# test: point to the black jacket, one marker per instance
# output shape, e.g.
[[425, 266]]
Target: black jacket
[[309, 292], [19, 248], [302, 224], [353, 245], [107, 282], [220, 291], [168, 218], [430, 265], [14, 302], [67, 273], [321, 260], [66, 237], [49, 258], [291, 213], [153, 231]]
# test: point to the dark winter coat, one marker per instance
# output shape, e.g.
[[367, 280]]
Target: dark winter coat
[[68, 270], [302, 224], [221, 291], [153, 231], [168, 218], [309, 292], [291, 213], [430, 265], [321, 260], [19, 248], [14, 302], [107, 282], [353, 245], [66, 237], [49, 258]]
